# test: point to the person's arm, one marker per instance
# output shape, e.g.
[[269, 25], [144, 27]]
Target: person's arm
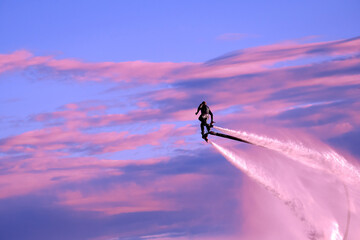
[[212, 116], [198, 109]]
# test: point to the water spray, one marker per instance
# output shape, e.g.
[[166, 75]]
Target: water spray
[[270, 184], [329, 160], [324, 161]]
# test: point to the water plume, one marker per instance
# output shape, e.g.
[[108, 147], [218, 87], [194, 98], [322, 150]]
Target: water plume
[[270, 184], [324, 160], [318, 187]]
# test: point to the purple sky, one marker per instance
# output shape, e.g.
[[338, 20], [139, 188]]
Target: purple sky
[[99, 139]]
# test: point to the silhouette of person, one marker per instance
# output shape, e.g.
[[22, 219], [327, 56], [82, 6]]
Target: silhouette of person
[[204, 116]]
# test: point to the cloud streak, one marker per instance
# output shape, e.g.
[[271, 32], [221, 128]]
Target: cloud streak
[[248, 61]]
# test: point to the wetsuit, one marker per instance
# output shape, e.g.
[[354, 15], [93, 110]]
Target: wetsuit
[[205, 112]]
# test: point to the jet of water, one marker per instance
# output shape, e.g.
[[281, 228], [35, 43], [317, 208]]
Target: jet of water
[[327, 160], [308, 205], [270, 184]]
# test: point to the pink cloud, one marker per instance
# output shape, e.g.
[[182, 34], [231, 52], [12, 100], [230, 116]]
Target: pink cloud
[[20, 60], [74, 117], [120, 199], [45, 170], [143, 104], [131, 197], [124, 71], [252, 60], [232, 36], [15, 184], [168, 94], [56, 138]]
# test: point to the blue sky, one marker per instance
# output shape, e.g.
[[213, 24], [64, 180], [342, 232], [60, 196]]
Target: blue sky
[[166, 30]]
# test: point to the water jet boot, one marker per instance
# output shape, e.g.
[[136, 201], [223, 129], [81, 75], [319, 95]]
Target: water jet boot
[[204, 136]]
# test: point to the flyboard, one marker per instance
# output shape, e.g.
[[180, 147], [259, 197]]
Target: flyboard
[[205, 136]]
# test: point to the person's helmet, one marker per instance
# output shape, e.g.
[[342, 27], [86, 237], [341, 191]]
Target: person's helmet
[[204, 102]]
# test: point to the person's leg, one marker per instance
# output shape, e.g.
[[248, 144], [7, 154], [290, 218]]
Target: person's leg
[[201, 119], [205, 122], [208, 127], [204, 136]]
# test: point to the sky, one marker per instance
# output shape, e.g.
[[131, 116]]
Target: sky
[[99, 138]]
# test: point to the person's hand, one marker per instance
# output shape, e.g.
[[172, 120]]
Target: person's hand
[[196, 113]]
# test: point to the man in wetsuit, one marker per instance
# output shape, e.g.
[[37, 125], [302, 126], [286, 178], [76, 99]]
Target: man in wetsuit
[[205, 112]]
